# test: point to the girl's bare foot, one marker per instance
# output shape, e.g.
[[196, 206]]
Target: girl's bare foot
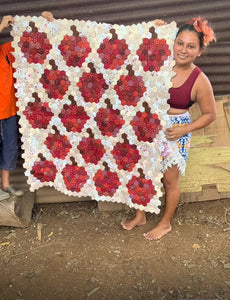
[[137, 221], [159, 231]]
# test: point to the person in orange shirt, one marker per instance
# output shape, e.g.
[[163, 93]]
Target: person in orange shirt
[[8, 109], [8, 122]]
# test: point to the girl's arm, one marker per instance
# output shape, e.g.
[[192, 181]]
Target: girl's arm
[[206, 101]]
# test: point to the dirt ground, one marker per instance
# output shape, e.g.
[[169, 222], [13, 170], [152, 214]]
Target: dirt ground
[[85, 254]]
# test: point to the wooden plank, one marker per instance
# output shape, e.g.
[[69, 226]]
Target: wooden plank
[[50, 195], [209, 192], [208, 167], [219, 130], [225, 166], [227, 113], [203, 168]]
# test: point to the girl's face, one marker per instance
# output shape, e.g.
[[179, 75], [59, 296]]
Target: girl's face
[[186, 48]]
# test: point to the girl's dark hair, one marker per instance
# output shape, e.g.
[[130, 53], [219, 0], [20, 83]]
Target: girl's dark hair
[[202, 29], [190, 27]]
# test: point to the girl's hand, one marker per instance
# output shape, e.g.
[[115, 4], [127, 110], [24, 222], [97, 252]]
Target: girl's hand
[[47, 15], [6, 21], [173, 134], [159, 22]]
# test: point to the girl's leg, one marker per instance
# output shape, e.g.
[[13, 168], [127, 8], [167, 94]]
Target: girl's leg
[[138, 220], [172, 196]]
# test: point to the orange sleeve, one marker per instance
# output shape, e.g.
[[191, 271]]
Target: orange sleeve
[[7, 90]]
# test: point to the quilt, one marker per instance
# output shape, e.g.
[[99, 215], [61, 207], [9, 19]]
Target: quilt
[[92, 101]]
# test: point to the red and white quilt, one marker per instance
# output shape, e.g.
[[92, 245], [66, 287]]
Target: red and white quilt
[[92, 102]]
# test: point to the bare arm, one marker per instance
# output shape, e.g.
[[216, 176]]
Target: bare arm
[[206, 101]]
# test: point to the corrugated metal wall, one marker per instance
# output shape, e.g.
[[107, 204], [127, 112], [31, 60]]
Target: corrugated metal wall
[[216, 61]]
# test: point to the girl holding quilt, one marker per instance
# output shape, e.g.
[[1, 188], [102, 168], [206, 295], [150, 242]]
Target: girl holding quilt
[[190, 85]]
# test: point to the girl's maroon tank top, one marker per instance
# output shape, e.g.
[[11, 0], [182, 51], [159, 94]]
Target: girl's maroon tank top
[[180, 97]]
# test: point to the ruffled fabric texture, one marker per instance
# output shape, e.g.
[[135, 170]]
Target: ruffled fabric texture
[[176, 152]]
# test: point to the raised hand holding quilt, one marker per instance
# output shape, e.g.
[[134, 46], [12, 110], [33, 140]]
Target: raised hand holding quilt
[[92, 101]]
